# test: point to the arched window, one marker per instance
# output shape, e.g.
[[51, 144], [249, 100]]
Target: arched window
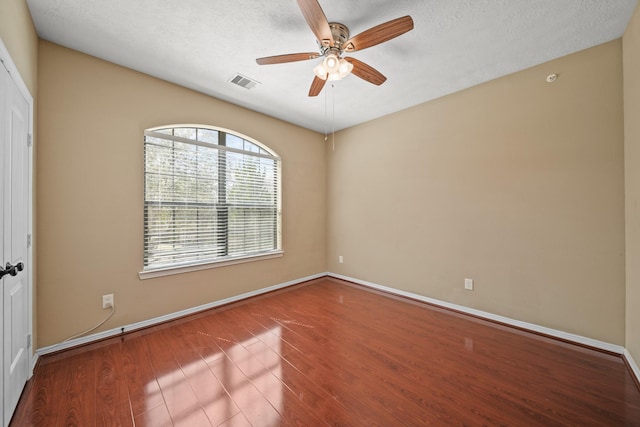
[[209, 196]]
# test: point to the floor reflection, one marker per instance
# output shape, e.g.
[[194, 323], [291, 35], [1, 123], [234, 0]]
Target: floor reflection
[[247, 374]]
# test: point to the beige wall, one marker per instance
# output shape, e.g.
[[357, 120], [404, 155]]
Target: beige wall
[[516, 183], [631, 60], [20, 38], [90, 176]]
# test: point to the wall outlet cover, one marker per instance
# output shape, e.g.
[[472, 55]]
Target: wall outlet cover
[[107, 301], [468, 284]]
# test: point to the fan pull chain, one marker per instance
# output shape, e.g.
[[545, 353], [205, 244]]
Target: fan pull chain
[[333, 118], [326, 122]]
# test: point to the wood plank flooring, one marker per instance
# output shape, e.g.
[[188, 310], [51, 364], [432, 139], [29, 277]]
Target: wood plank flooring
[[329, 353]]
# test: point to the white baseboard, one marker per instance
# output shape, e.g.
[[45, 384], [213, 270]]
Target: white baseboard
[[632, 364], [578, 339], [161, 319], [34, 362]]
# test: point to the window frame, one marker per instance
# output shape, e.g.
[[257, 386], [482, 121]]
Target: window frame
[[150, 271]]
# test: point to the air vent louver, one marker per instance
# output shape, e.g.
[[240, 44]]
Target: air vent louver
[[244, 81]]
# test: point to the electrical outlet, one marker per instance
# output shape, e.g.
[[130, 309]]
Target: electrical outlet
[[468, 284], [107, 301], [340, 259]]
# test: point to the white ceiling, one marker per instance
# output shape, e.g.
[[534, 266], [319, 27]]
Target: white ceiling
[[202, 44]]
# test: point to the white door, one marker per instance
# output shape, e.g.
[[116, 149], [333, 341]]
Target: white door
[[14, 216]]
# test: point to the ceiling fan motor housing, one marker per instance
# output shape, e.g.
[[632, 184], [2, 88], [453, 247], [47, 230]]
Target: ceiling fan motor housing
[[340, 34]]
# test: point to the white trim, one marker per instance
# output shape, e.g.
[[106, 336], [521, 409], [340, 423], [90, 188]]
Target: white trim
[[632, 363], [34, 362], [24, 91], [161, 319], [216, 128], [167, 137], [578, 339], [15, 75], [158, 272]]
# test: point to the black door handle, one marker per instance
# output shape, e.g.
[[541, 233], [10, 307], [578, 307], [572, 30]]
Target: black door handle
[[11, 270]]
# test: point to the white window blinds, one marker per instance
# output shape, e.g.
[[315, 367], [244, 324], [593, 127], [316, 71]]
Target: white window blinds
[[209, 195]]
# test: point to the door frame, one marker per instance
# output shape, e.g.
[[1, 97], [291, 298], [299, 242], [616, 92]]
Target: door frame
[[14, 74]]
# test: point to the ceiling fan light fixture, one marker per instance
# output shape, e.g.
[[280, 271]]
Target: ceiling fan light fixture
[[320, 71], [333, 77], [345, 68], [331, 63], [333, 68]]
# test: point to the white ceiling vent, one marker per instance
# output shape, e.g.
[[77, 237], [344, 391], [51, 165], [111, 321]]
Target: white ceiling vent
[[244, 81]]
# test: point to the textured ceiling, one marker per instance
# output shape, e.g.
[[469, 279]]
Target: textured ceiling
[[202, 44]]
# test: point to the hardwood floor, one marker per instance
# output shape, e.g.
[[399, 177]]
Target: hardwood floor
[[329, 353]]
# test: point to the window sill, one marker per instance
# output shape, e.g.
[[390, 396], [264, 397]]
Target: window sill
[[168, 271]]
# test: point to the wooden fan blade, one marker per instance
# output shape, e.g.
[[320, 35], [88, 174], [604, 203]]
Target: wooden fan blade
[[379, 33], [316, 86], [316, 19], [291, 57], [366, 72]]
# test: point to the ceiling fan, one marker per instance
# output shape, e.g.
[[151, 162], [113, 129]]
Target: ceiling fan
[[333, 39]]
